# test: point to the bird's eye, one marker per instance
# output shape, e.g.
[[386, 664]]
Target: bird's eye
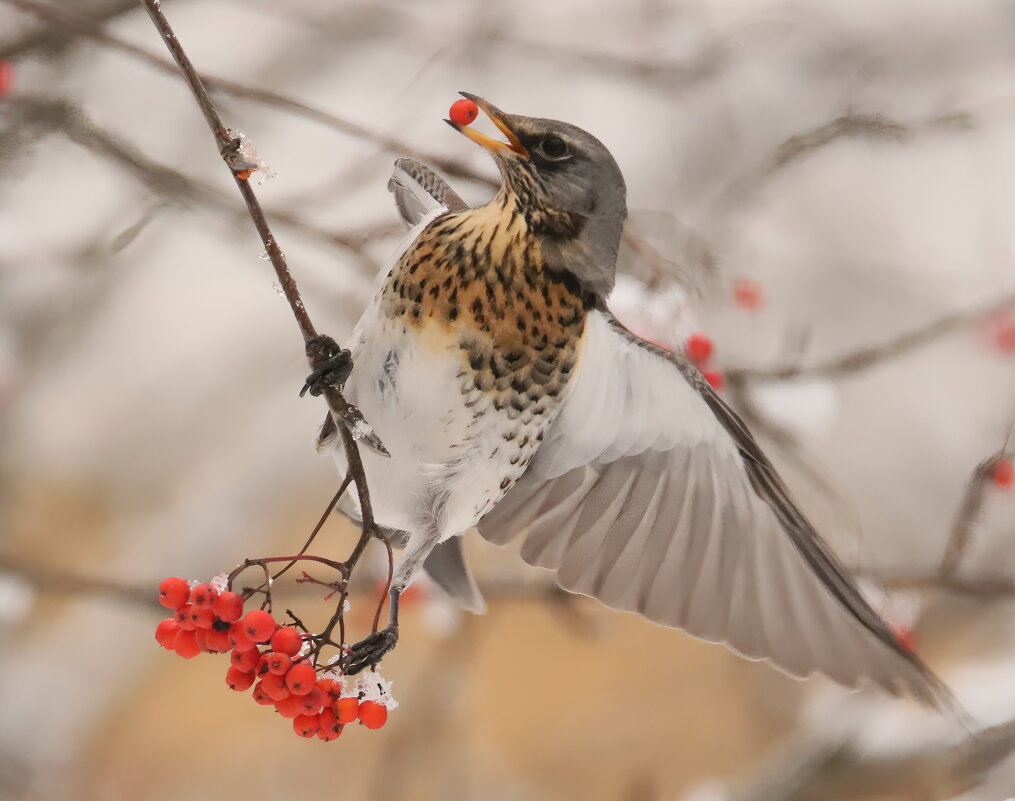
[[554, 148]]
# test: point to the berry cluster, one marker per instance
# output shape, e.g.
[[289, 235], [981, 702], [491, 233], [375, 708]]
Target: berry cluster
[[277, 661], [699, 348]]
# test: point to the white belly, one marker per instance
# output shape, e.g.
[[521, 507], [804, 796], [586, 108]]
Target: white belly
[[453, 455]]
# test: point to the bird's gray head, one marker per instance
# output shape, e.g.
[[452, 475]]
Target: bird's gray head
[[568, 187]]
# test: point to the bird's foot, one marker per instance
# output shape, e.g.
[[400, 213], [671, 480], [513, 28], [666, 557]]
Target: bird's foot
[[332, 365], [370, 650]]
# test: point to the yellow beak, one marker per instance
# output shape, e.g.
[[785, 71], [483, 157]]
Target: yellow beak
[[512, 144]]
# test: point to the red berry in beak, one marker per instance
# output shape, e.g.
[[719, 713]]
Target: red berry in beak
[[463, 112]]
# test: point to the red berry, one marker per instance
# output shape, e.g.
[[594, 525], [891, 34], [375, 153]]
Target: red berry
[[306, 725], [186, 645], [747, 294], [329, 725], [203, 596], [244, 660], [184, 618], [289, 707], [261, 696], [275, 687], [238, 639], [698, 348], [716, 379], [332, 690], [173, 592], [312, 702], [287, 640], [301, 678], [463, 112], [6, 77], [274, 662], [201, 638], [229, 607], [347, 709], [372, 714], [218, 641], [1004, 474], [165, 633], [258, 625], [203, 618], [238, 680]]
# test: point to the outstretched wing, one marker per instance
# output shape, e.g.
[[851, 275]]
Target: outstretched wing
[[651, 495]]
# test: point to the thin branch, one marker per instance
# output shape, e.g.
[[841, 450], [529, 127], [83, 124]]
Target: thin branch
[[69, 120], [320, 350], [849, 126], [320, 524], [60, 582], [947, 577], [856, 361], [984, 587], [969, 514], [54, 38], [84, 27], [672, 74]]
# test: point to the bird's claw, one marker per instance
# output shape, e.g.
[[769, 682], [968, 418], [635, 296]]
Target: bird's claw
[[332, 365], [370, 650]]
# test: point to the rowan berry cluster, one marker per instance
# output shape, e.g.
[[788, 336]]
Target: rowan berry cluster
[[276, 661]]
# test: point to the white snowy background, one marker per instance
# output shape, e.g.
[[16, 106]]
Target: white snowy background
[[150, 424]]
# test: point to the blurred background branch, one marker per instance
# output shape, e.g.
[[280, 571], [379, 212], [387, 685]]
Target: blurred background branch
[[822, 189]]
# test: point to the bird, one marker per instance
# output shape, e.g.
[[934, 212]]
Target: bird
[[513, 403]]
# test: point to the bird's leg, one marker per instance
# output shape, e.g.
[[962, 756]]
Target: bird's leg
[[370, 650], [331, 363]]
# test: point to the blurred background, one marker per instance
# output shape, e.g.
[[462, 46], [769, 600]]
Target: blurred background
[[824, 189]]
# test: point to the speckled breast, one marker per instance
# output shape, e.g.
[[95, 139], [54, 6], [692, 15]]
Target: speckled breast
[[478, 277]]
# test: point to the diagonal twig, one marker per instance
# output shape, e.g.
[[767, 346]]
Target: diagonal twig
[[861, 359], [969, 514], [82, 26], [231, 147], [44, 114]]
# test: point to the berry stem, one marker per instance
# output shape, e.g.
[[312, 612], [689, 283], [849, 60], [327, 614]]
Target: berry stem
[[387, 587], [320, 524]]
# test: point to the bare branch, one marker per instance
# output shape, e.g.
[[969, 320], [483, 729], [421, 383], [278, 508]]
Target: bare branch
[[61, 582], [844, 771], [850, 126], [68, 20], [320, 350], [858, 360], [69, 120], [54, 38], [969, 514]]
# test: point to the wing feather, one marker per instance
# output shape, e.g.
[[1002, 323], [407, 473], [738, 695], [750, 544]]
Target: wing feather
[[651, 495]]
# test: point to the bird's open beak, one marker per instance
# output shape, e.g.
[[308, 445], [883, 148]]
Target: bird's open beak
[[512, 145]]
